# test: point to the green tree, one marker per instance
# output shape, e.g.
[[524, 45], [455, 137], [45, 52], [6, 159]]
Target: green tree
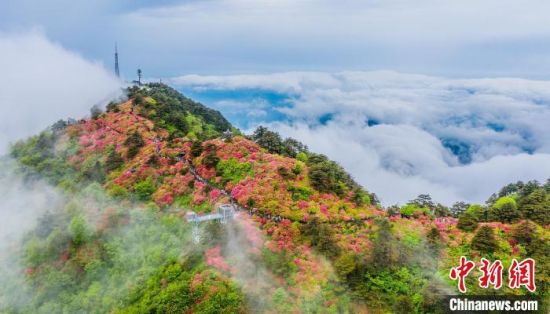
[[269, 140], [458, 208], [281, 302], [423, 200], [211, 160], [385, 252], [292, 147], [505, 200], [233, 170], [360, 197], [478, 211], [79, 230], [505, 210], [144, 189], [114, 160], [60, 125], [196, 149], [467, 222], [413, 210], [345, 264], [525, 232], [434, 238], [134, 142], [327, 176], [95, 112], [326, 241], [321, 237], [171, 110], [484, 240], [302, 156], [117, 191], [112, 106], [93, 171], [536, 206], [324, 178]]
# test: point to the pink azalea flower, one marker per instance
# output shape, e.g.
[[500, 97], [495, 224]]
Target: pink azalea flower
[[214, 194], [216, 260], [303, 204]]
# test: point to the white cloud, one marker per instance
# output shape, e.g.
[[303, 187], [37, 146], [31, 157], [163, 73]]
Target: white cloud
[[42, 82], [288, 82], [21, 203], [394, 132], [400, 162]]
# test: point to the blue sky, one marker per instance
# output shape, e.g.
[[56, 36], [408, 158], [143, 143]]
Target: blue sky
[[469, 38]]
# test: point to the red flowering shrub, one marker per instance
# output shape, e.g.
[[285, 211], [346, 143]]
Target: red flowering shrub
[[216, 260]]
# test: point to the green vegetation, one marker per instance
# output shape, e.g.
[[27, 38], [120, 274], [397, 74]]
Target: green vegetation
[[484, 240], [274, 143], [37, 156], [95, 112], [325, 175], [233, 171], [413, 210], [114, 160], [170, 290], [134, 142], [211, 160], [536, 206], [477, 211], [322, 237], [510, 208], [179, 115], [519, 200], [329, 177], [136, 269], [144, 189], [467, 222]]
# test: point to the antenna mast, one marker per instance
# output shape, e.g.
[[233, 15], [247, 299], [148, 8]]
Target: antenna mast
[[117, 71]]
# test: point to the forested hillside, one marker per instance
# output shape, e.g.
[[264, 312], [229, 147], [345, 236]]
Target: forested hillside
[[307, 239]]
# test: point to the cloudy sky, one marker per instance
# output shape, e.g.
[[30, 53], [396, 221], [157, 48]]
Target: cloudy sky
[[467, 38], [446, 97]]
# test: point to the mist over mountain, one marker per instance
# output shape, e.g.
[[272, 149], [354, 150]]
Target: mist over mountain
[[43, 82]]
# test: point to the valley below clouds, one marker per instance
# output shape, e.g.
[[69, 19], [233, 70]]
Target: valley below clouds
[[399, 135]]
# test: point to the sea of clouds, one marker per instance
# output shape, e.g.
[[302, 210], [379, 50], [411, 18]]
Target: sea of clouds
[[401, 135]]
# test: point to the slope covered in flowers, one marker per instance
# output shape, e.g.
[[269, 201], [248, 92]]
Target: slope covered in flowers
[[274, 184]]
